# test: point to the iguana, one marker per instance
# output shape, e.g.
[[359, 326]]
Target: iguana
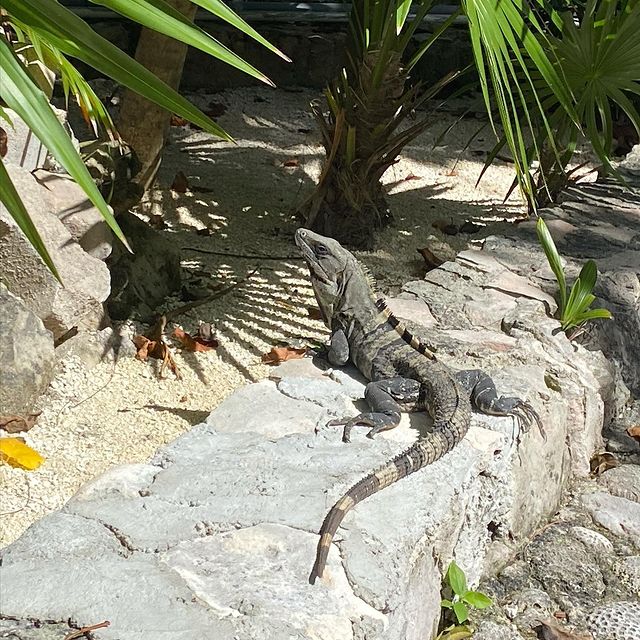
[[403, 374]]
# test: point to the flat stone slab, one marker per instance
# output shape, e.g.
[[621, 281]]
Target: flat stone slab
[[215, 537]]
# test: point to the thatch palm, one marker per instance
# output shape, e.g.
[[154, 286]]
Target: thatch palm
[[367, 104], [527, 71]]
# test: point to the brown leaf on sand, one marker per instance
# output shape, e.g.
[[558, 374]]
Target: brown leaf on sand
[[602, 462], [178, 121], [16, 424], [281, 354], [3, 143], [180, 183], [634, 432], [314, 313], [194, 343], [152, 345], [550, 630], [215, 110], [430, 258], [412, 176]]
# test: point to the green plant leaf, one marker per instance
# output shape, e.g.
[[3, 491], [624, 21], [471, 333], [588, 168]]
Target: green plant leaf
[[593, 314], [553, 257], [456, 633], [163, 18], [589, 275], [71, 35], [223, 12], [477, 599], [11, 199], [447, 604], [21, 95], [461, 611], [456, 579]]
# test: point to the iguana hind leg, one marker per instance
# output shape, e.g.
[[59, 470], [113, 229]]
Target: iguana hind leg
[[386, 399], [484, 397]]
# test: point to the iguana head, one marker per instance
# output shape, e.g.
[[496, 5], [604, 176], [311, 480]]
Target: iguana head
[[338, 279]]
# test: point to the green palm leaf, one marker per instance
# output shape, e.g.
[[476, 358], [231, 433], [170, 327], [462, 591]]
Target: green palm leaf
[[30, 103]]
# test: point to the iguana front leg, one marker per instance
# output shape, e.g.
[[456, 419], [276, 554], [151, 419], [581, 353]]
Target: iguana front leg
[[338, 354], [386, 399], [484, 397]]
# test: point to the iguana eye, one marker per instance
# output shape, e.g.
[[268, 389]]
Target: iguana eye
[[321, 250]]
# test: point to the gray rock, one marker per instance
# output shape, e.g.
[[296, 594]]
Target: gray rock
[[411, 309], [30, 630], [326, 393], [615, 621], [68, 202], [96, 346], [630, 567], [567, 570], [27, 356], [23, 147], [528, 606], [142, 280], [86, 280], [597, 221], [489, 630], [622, 481], [261, 408], [618, 515]]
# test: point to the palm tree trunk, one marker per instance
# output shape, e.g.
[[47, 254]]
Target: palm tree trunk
[[349, 202], [144, 125]]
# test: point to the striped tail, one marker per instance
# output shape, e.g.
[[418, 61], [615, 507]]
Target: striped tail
[[402, 330], [424, 452]]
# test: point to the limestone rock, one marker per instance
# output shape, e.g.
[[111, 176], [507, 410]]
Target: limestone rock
[[615, 621], [27, 356], [24, 149], [618, 515], [82, 220], [263, 409], [142, 280], [622, 481], [86, 280]]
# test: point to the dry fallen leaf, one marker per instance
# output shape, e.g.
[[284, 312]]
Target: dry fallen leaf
[[430, 258], [281, 354], [314, 313], [3, 143], [412, 176], [293, 162], [194, 343], [178, 121], [550, 630], [602, 462], [634, 432], [153, 346], [215, 110], [180, 183], [18, 454], [15, 424], [78, 633]]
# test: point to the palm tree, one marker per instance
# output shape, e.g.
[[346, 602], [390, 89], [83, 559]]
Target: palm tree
[[53, 34], [547, 77]]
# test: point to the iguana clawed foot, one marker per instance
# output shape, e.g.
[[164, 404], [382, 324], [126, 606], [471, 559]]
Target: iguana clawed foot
[[377, 421], [522, 410]]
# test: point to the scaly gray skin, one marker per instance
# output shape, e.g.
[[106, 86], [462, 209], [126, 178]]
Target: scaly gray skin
[[402, 375]]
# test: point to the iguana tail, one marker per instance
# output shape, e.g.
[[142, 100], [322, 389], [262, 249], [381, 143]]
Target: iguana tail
[[424, 452]]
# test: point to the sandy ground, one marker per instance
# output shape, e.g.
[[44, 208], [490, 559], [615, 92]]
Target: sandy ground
[[244, 194]]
